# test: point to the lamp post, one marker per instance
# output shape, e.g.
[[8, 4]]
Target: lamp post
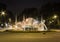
[[2, 14], [57, 18]]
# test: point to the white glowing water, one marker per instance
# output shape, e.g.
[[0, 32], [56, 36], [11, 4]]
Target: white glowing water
[[28, 23]]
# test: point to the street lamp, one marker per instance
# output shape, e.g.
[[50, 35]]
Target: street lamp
[[55, 16], [2, 13]]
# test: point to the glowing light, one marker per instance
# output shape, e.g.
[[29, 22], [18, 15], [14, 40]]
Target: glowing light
[[6, 24], [35, 22], [55, 16], [9, 19], [1, 24], [10, 27], [16, 26], [2, 13]]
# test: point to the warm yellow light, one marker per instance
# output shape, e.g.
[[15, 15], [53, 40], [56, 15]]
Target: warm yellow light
[[9, 19], [16, 26], [2, 13], [55, 16]]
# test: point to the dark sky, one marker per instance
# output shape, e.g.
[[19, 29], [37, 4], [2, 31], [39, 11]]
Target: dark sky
[[18, 5]]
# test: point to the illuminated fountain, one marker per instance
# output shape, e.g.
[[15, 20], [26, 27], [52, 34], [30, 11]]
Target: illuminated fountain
[[30, 24]]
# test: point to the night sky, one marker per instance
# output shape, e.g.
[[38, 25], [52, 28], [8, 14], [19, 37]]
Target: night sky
[[17, 6]]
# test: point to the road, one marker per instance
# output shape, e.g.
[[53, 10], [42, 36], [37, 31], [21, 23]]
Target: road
[[30, 37]]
